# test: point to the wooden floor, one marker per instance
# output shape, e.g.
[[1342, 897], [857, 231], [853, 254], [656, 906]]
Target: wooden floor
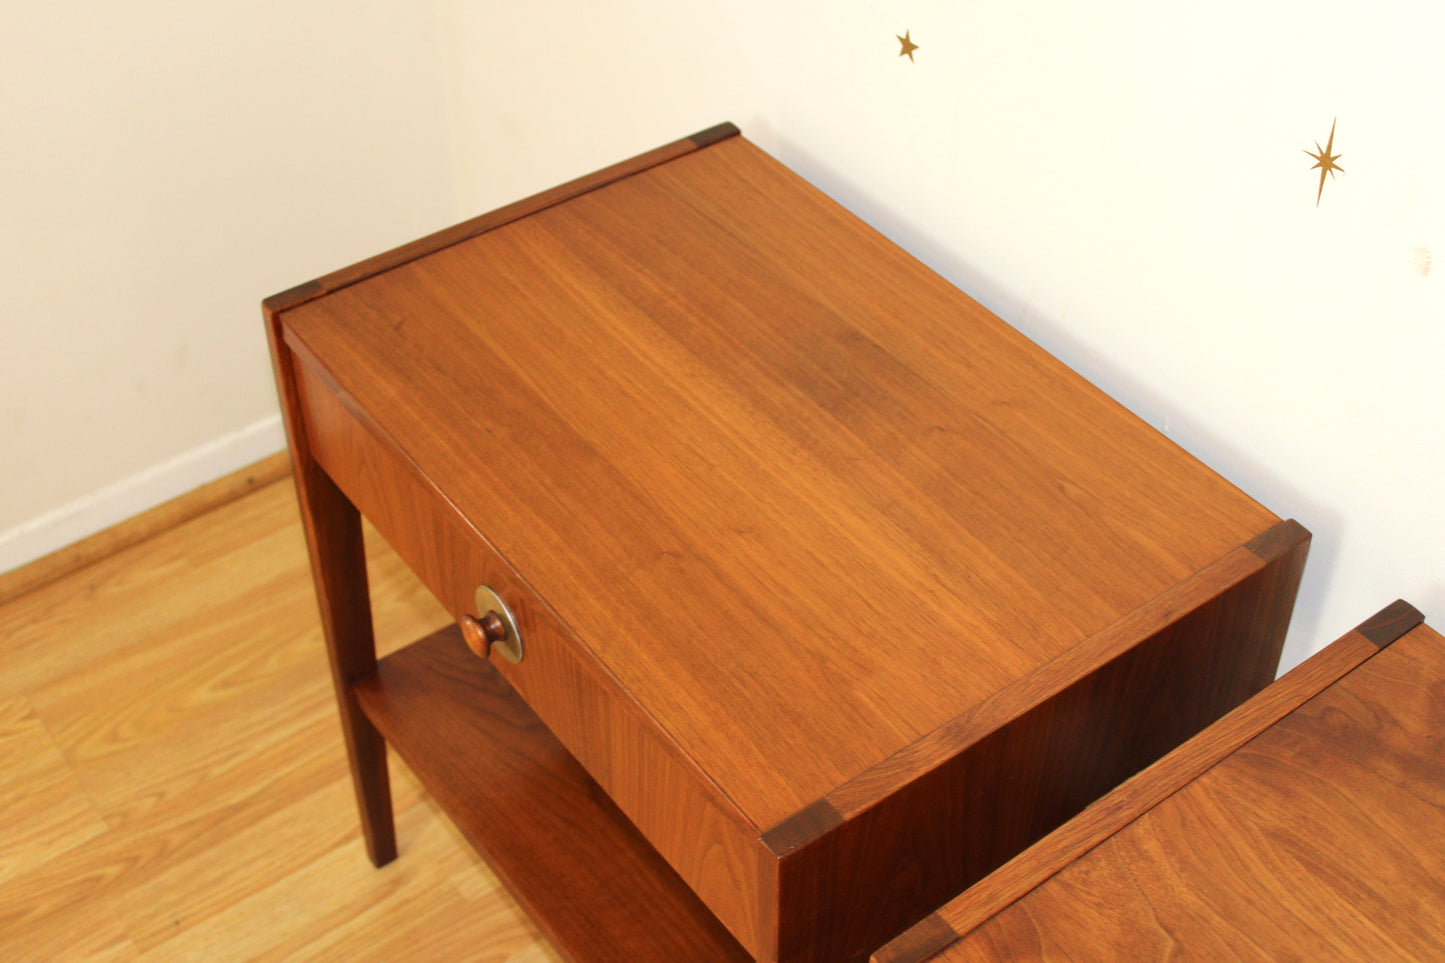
[[172, 780]]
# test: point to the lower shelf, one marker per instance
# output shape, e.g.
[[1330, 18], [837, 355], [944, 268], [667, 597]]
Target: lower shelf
[[598, 890]]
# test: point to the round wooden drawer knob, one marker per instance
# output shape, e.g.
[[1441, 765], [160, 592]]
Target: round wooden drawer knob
[[480, 633], [496, 627]]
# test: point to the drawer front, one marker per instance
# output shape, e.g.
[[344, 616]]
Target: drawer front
[[707, 841]]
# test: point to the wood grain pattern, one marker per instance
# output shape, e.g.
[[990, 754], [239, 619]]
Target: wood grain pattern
[[1007, 781], [171, 707], [447, 557], [493, 219], [778, 505], [678, 807], [41, 800], [745, 439], [1175, 611], [338, 570], [1303, 826], [1116, 809], [571, 857]]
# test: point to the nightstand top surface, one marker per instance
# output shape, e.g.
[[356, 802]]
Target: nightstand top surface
[[804, 499]]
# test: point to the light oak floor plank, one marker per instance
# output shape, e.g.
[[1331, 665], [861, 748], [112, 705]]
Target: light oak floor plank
[[91, 933], [173, 784], [43, 808]]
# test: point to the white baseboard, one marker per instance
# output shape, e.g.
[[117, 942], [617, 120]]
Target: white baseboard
[[144, 490]]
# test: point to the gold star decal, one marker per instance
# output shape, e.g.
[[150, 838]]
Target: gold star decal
[[1325, 161], [909, 46]]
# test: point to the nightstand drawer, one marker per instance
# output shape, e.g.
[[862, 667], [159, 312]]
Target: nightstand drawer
[[674, 805]]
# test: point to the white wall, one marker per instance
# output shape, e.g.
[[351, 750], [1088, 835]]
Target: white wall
[[163, 167], [1124, 181]]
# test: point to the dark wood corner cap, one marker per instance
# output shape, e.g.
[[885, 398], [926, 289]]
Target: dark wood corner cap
[[801, 828], [706, 138], [292, 296], [1281, 538], [1391, 622], [920, 942]]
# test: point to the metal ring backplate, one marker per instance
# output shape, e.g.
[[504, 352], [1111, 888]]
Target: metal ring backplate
[[511, 646]]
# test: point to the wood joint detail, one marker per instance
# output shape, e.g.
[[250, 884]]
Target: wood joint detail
[[803, 827], [293, 296], [1390, 623], [706, 138], [1273, 543], [925, 940]]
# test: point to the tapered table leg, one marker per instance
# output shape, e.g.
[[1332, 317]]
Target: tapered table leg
[[338, 565]]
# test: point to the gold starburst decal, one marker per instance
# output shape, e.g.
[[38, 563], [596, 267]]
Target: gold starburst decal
[[908, 47], [1325, 161]]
